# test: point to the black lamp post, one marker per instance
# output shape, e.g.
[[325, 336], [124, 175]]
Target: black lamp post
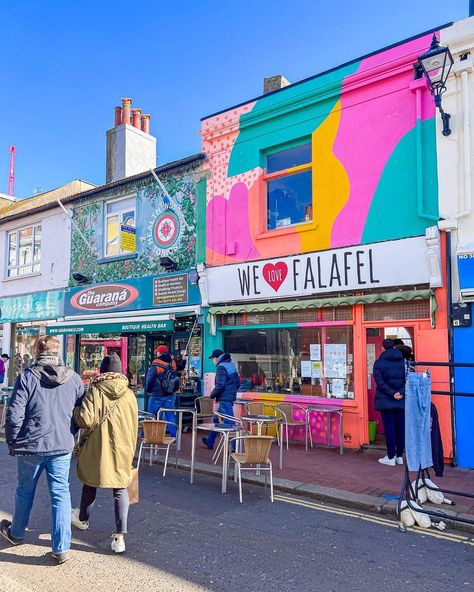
[[436, 64]]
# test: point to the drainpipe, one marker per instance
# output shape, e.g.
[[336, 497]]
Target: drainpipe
[[451, 344]]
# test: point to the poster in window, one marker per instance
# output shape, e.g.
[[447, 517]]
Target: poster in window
[[195, 366], [315, 351], [305, 369], [316, 369], [128, 238], [335, 360], [338, 388]]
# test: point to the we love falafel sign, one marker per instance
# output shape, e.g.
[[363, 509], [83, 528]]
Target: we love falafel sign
[[377, 265]]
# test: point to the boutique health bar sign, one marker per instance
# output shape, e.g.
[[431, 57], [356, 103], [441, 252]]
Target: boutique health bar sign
[[377, 265]]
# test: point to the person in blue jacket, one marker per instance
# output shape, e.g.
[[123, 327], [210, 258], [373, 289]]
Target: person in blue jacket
[[225, 390], [390, 376]]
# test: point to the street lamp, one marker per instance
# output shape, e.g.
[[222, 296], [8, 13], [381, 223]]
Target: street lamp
[[436, 64]]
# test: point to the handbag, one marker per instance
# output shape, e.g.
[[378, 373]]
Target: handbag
[[133, 487], [80, 445]]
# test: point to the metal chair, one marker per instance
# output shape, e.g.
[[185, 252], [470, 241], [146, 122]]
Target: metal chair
[[204, 407], [256, 453], [260, 408], [239, 427], [155, 438], [286, 413]]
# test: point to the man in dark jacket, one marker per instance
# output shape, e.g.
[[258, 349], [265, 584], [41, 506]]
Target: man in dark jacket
[[40, 433], [225, 390], [153, 386], [389, 375]]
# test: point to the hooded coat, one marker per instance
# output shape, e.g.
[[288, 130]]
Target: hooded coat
[[227, 380], [390, 376], [39, 418], [106, 457]]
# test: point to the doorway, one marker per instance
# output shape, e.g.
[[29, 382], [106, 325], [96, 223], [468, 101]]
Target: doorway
[[374, 339]]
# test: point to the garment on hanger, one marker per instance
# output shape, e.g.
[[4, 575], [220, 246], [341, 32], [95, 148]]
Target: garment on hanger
[[436, 443], [418, 421]]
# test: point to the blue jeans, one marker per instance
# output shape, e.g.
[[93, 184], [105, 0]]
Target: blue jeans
[[226, 408], [57, 474], [156, 403], [418, 421]]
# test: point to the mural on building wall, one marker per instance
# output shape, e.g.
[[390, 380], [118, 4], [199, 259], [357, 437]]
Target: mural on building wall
[[165, 226], [372, 132]]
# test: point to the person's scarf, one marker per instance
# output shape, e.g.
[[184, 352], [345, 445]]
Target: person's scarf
[[49, 359]]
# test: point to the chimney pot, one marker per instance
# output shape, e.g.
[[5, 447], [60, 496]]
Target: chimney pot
[[273, 83], [118, 116], [126, 105], [136, 118], [146, 123]]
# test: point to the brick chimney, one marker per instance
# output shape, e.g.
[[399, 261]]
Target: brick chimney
[[274, 83], [130, 149]]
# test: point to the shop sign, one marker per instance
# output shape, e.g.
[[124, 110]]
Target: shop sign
[[31, 307], [170, 289], [466, 269], [132, 294], [125, 327], [377, 265]]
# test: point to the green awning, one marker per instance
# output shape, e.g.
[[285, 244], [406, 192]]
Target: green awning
[[333, 301], [122, 327]]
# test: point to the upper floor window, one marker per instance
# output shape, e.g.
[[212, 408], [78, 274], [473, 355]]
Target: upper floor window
[[119, 231], [24, 251], [289, 188]]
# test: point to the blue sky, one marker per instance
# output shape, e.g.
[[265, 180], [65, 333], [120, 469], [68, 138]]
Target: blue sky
[[65, 64]]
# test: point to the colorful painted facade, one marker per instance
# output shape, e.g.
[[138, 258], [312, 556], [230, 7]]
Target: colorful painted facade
[[372, 131]]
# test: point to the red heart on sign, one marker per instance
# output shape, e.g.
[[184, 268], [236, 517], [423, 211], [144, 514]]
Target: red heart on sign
[[275, 275]]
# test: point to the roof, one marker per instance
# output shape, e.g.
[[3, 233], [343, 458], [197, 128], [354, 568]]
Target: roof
[[79, 189], [41, 201], [292, 84]]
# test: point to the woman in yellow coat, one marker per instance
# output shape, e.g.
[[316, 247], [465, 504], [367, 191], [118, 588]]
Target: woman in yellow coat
[[109, 413]]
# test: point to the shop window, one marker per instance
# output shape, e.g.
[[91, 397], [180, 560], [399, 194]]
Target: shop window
[[395, 311], [288, 178], [119, 231], [306, 315], [24, 251], [314, 361]]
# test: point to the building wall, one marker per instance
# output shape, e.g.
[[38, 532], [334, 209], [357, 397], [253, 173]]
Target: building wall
[[55, 254], [372, 130], [151, 206]]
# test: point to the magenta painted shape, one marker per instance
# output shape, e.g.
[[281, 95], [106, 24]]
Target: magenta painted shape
[[227, 227], [373, 120]]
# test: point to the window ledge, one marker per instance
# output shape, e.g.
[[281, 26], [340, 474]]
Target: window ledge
[[304, 227], [21, 277], [117, 258]]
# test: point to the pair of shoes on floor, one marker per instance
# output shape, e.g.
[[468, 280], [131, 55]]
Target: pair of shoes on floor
[[391, 462], [5, 531], [206, 443], [80, 524]]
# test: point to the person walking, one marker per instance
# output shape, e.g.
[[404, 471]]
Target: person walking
[[109, 413], [40, 433], [389, 374], [162, 395], [225, 390], [4, 359]]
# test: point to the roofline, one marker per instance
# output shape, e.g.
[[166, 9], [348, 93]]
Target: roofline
[[177, 164], [367, 55]]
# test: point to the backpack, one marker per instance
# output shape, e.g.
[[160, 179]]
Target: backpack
[[169, 380]]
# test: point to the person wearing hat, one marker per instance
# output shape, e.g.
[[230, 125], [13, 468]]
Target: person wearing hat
[[390, 375], [4, 359], [225, 390], [153, 386], [109, 413]]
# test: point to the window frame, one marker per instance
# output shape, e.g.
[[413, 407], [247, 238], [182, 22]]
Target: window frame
[[119, 213], [281, 174], [34, 262]]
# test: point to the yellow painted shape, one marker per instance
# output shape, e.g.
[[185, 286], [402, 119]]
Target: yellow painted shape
[[330, 184]]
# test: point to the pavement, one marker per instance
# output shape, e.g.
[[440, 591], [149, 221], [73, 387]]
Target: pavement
[[186, 537], [355, 479]]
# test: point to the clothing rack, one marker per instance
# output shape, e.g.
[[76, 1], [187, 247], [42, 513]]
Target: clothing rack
[[408, 493]]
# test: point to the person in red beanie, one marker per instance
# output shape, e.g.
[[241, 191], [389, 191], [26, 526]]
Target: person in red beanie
[[161, 373]]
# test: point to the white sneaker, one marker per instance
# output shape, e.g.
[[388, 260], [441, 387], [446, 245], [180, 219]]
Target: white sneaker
[[399, 460], [81, 525], [118, 545], [390, 462]]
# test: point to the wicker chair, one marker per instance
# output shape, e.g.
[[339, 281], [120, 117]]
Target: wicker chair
[[285, 411], [155, 438], [204, 408], [256, 453]]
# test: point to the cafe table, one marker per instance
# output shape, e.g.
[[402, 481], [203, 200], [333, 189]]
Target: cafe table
[[329, 410], [261, 420]]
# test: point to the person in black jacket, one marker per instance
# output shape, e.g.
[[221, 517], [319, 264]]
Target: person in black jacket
[[389, 375], [40, 431]]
